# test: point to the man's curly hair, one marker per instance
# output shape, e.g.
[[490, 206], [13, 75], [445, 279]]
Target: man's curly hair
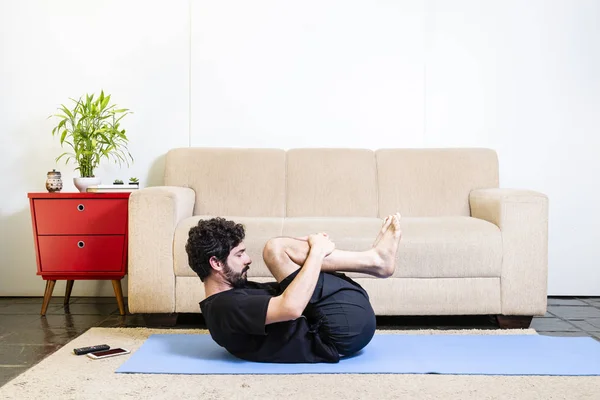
[[213, 237]]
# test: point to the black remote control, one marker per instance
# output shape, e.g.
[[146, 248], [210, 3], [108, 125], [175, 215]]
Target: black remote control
[[84, 350]]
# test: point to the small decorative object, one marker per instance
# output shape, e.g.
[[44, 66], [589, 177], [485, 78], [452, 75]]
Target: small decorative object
[[92, 130], [117, 182], [54, 182], [134, 181]]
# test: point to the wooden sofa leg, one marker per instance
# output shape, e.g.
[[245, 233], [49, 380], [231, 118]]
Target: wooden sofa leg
[[160, 320], [514, 321]]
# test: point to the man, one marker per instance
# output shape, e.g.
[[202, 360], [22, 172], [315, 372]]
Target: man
[[312, 313]]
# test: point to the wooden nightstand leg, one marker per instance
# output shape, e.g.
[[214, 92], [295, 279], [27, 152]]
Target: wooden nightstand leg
[[68, 291], [47, 295], [119, 293]]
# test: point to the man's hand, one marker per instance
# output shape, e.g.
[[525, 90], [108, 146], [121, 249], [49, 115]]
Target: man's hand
[[321, 242]]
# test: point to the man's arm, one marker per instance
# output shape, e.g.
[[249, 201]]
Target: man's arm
[[292, 302]]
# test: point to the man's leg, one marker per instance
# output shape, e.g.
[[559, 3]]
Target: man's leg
[[284, 255]]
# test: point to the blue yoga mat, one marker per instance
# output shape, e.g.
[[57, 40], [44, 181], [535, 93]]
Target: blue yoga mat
[[385, 354]]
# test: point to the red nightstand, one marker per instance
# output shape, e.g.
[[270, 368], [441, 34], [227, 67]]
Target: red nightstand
[[80, 236]]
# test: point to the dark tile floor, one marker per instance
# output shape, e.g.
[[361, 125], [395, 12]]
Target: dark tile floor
[[26, 337]]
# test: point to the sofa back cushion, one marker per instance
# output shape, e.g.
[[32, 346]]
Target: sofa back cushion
[[331, 182], [433, 182], [230, 181]]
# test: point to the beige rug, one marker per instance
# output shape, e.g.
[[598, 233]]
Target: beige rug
[[63, 375]]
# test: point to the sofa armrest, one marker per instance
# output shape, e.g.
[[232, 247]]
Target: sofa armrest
[[154, 212], [522, 216]]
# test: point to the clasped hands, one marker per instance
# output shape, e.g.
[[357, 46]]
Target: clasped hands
[[321, 242]]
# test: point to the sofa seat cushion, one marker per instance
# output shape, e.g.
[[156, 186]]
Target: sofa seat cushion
[[431, 247], [449, 247]]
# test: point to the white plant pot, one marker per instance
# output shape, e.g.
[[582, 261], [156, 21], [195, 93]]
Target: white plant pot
[[83, 183]]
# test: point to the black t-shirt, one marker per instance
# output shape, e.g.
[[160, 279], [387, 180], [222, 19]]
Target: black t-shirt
[[236, 319]]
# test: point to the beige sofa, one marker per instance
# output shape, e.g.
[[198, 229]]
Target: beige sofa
[[468, 247]]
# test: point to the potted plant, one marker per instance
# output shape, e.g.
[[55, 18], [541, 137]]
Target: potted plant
[[134, 181], [117, 182], [92, 130]]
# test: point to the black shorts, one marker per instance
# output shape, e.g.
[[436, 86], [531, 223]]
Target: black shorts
[[340, 310]]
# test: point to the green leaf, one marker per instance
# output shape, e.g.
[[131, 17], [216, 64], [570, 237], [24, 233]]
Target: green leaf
[[105, 102], [104, 138], [66, 110], [65, 154]]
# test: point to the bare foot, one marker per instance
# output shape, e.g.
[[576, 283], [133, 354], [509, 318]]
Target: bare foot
[[386, 248], [386, 224]]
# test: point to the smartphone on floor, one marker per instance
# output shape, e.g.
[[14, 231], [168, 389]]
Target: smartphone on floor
[[96, 355]]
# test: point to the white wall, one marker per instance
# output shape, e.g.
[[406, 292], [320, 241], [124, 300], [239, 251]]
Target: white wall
[[270, 73], [521, 77], [138, 51]]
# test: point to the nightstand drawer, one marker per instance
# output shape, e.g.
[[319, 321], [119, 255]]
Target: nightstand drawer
[[80, 216], [81, 253]]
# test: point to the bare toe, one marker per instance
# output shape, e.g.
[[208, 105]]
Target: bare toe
[[396, 226], [386, 224]]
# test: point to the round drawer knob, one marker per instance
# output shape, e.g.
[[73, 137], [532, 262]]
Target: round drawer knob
[[80, 244], [81, 207]]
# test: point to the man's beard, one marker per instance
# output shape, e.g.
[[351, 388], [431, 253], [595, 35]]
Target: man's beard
[[236, 279]]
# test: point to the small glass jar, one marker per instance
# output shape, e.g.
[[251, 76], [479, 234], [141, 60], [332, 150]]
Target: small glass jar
[[54, 182]]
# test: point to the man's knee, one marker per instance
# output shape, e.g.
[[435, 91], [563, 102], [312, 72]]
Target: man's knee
[[274, 249]]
